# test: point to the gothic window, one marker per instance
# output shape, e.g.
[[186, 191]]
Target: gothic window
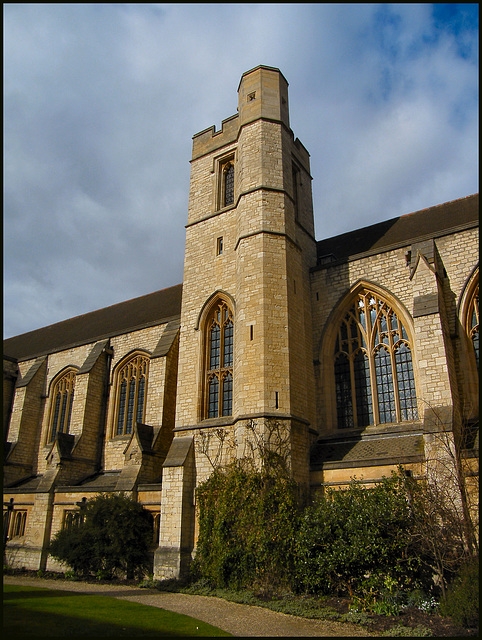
[[61, 404], [18, 521], [72, 519], [219, 362], [228, 184], [374, 381], [473, 323], [131, 394]]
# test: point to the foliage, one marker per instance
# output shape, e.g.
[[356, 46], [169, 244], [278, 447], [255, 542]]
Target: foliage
[[461, 601], [113, 536], [357, 540], [445, 503], [247, 526]]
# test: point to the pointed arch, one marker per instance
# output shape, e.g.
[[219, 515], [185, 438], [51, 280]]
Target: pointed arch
[[61, 395], [131, 376], [368, 340], [469, 314], [216, 322]]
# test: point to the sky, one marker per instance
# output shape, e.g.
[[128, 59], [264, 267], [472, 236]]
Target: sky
[[101, 102]]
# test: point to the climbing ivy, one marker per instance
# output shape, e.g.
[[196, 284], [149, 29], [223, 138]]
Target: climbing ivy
[[248, 520]]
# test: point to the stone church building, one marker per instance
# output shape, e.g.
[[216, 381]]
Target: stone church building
[[361, 349]]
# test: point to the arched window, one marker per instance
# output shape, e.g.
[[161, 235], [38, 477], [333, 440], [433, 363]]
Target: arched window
[[131, 394], [219, 362], [18, 524], [61, 404], [374, 381], [72, 519], [228, 184], [472, 326]]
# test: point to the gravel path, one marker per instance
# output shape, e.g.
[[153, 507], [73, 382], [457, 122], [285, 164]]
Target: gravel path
[[237, 619]]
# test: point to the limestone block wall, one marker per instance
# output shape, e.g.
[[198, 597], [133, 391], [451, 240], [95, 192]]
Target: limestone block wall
[[24, 428], [144, 340], [29, 550], [10, 373], [57, 362], [434, 366]]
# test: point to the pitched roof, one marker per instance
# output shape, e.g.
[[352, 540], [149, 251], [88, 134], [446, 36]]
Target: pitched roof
[[367, 451], [398, 232], [139, 313]]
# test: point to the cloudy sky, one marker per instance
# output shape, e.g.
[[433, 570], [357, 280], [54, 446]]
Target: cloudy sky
[[101, 102]]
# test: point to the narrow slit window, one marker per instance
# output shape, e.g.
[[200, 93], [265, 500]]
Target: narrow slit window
[[228, 184]]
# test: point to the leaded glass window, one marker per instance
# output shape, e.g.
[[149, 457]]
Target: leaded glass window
[[18, 522], [473, 323], [131, 385], [219, 357], [62, 401], [228, 184], [374, 380]]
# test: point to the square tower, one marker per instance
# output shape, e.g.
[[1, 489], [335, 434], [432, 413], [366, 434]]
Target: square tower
[[245, 353]]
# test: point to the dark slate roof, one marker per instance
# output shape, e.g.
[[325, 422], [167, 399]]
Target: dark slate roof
[[366, 451], [398, 232], [102, 481], [145, 311], [25, 485]]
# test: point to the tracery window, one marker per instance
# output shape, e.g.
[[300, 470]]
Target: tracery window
[[131, 394], [219, 362], [62, 400], [473, 323], [374, 381]]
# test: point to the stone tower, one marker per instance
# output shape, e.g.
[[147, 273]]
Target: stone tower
[[246, 329]]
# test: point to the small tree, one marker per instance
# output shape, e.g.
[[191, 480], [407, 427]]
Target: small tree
[[113, 536], [444, 514]]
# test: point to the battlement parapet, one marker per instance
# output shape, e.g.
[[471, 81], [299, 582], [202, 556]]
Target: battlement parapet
[[209, 139]]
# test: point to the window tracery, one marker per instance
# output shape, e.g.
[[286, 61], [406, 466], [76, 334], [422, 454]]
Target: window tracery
[[219, 362], [61, 404], [131, 394], [472, 326], [373, 369]]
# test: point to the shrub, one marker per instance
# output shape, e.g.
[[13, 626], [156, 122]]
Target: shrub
[[247, 527], [113, 536], [357, 539], [461, 603]]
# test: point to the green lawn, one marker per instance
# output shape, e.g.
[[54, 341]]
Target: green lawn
[[45, 613]]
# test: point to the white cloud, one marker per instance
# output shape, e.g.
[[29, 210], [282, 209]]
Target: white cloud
[[101, 102]]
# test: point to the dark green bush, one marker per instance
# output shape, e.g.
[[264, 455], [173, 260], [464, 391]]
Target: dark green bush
[[114, 537], [247, 528], [461, 603], [357, 540]]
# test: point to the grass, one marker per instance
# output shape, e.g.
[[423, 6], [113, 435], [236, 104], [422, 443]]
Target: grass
[[35, 612]]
